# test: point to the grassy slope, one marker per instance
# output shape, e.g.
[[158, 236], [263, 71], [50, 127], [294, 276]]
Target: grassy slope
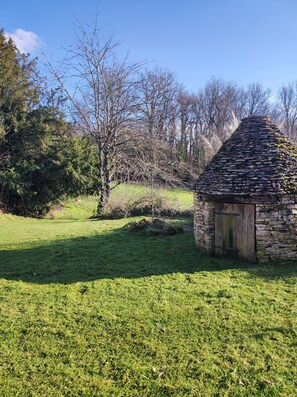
[[84, 207], [87, 309]]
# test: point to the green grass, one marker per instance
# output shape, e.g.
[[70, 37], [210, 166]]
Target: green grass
[[124, 196], [87, 309], [76, 208]]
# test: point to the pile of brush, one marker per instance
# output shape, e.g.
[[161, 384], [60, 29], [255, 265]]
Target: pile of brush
[[154, 227]]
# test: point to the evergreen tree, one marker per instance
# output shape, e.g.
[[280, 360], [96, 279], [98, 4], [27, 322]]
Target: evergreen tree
[[40, 160], [19, 92]]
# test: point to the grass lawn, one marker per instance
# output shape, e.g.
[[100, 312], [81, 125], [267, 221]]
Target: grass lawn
[[88, 309], [126, 195]]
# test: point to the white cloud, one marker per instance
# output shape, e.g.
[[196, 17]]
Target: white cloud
[[24, 40]]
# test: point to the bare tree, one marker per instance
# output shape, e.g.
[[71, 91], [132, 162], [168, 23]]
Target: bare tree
[[185, 119], [157, 91], [255, 101], [153, 162], [217, 101], [100, 91], [287, 105]]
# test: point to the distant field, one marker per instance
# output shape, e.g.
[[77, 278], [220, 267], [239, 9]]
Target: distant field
[[88, 309], [178, 200]]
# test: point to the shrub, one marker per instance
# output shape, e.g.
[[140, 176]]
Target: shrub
[[134, 202]]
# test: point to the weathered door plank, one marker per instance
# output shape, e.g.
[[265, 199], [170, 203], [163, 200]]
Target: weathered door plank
[[235, 230]]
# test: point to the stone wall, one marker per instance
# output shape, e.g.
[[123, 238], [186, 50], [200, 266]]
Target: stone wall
[[276, 230], [204, 224]]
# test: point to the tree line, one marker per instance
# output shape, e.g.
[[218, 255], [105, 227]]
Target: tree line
[[95, 120]]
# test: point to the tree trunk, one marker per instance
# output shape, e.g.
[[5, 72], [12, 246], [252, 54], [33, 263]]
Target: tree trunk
[[105, 188], [152, 198]]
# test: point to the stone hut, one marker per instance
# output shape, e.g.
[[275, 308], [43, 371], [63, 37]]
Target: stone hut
[[246, 198]]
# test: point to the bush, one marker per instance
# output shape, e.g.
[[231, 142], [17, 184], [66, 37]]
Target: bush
[[135, 202]]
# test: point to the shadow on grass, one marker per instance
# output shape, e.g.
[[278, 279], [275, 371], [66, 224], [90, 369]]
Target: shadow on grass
[[119, 254]]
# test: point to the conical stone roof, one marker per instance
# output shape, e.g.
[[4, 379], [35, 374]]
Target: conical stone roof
[[258, 159]]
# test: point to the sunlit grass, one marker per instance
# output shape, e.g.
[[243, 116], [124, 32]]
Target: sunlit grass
[[88, 309], [84, 207]]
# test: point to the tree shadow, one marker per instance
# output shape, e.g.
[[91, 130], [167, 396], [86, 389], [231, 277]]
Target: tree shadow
[[119, 254]]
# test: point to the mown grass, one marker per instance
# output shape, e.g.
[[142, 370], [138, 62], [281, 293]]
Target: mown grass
[[88, 309]]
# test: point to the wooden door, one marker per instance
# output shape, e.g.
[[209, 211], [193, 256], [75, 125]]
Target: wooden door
[[235, 230]]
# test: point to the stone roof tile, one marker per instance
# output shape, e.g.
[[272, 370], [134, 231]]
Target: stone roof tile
[[257, 159]]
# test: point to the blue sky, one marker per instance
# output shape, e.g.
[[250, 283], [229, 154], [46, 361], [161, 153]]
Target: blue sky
[[240, 40]]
